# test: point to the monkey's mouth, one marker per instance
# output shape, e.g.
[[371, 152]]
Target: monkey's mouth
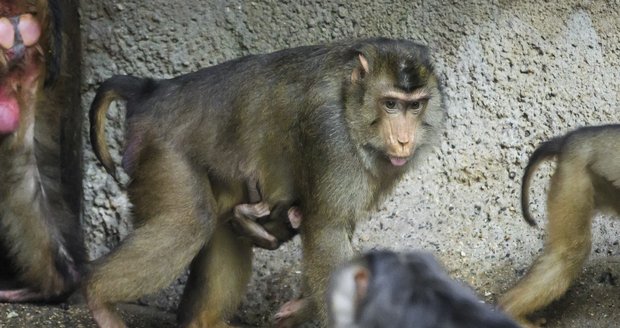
[[398, 161]]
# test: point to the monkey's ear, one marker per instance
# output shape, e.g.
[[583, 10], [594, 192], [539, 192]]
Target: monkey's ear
[[361, 69], [361, 277]]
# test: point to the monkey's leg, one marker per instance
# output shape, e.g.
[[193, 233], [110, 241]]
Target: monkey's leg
[[35, 244], [173, 221], [323, 250], [570, 207], [41, 238], [217, 282], [31, 218]]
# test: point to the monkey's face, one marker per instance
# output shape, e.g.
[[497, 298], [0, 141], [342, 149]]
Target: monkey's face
[[394, 99], [396, 123]]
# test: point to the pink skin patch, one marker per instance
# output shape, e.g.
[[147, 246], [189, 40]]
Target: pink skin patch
[[28, 27], [398, 161], [9, 113], [7, 35]]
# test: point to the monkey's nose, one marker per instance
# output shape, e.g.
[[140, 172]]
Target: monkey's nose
[[403, 141]]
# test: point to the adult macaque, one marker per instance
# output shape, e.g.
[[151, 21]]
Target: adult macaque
[[586, 179], [40, 150], [328, 128], [390, 290]]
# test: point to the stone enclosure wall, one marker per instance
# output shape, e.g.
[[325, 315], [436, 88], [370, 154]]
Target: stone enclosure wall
[[515, 73]]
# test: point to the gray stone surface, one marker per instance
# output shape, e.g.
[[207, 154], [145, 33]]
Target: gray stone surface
[[516, 73]]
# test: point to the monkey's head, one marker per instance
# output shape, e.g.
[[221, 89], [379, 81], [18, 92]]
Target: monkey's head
[[387, 289], [393, 101]]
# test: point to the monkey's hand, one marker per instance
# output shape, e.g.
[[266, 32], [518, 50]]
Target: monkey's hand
[[244, 222]]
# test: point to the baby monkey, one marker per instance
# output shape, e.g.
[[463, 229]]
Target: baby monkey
[[389, 290], [265, 228], [586, 179]]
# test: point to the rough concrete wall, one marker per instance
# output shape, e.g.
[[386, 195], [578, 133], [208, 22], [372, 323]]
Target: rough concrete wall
[[516, 73]]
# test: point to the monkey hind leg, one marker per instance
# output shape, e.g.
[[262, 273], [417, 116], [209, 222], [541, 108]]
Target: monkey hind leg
[[50, 280], [218, 280], [570, 208], [45, 267], [173, 222]]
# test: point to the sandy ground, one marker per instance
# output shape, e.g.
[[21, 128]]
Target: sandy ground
[[515, 73]]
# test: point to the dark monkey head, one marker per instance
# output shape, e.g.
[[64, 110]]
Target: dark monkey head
[[395, 94], [386, 289]]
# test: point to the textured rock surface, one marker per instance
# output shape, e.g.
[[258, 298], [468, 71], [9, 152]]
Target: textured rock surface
[[516, 73]]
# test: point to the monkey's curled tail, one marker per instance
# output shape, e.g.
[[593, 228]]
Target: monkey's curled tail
[[546, 150], [117, 87]]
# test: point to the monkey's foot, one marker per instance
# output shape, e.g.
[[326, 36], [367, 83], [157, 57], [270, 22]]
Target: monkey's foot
[[525, 323], [104, 314], [288, 315], [19, 295], [252, 211], [106, 319]]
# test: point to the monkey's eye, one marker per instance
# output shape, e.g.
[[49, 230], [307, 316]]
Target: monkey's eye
[[390, 105], [416, 106]]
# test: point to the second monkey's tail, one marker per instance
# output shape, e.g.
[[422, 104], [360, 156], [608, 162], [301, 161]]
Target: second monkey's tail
[[545, 151], [117, 87]]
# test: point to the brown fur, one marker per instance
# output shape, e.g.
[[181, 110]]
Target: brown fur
[[41, 161], [586, 179], [308, 123]]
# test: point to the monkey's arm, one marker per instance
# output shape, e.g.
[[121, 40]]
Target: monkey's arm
[[326, 244], [244, 222]]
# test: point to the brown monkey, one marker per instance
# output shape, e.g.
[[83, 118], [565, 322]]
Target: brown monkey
[[586, 179], [328, 128], [391, 290], [40, 150]]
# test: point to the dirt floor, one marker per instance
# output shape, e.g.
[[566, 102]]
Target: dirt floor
[[515, 73]]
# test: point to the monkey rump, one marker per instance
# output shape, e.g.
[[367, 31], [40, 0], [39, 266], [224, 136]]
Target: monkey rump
[[9, 112]]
